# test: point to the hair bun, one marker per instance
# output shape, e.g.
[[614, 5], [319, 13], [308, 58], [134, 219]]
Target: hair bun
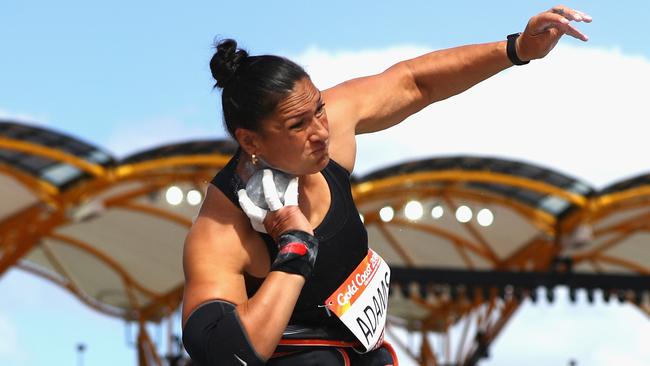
[[226, 61]]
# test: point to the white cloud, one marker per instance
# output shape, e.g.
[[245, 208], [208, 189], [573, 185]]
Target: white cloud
[[330, 68], [581, 111]]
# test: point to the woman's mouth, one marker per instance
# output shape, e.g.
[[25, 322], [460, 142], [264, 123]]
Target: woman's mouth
[[320, 148]]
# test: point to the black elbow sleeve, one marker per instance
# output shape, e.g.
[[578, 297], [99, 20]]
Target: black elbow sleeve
[[214, 335]]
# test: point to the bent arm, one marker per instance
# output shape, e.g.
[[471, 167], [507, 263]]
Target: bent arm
[[220, 247], [268, 312]]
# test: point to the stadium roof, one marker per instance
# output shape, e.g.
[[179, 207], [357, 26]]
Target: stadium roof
[[96, 225], [453, 227]]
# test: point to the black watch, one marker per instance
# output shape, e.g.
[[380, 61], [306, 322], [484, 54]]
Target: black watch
[[511, 50]]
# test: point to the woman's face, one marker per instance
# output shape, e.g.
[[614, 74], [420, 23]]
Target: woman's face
[[295, 138]]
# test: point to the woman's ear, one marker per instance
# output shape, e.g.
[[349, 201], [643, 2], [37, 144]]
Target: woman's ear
[[248, 140]]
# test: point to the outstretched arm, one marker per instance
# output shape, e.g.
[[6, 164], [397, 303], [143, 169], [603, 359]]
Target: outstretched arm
[[380, 101]]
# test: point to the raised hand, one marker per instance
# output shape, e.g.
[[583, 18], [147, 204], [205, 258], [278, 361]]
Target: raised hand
[[544, 30]]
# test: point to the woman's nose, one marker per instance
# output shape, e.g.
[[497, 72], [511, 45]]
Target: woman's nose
[[321, 129]]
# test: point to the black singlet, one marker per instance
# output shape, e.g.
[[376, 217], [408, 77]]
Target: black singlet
[[342, 236]]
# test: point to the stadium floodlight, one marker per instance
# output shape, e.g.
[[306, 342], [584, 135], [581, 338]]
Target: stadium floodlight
[[463, 214], [174, 195], [193, 197], [485, 217], [437, 211], [413, 210], [386, 214]]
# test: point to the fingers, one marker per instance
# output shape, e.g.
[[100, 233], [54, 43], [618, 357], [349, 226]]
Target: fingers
[[550, 19], [547, 20], [585, 17], [258, 226], [571, 14], [252, 211], [270, 191], [575, 33], [291, 193]]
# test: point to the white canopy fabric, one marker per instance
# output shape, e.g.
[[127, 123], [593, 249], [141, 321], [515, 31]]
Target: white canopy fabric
[[102, 228]]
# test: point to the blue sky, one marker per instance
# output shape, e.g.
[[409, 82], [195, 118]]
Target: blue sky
[[106, 72], [85, 67]]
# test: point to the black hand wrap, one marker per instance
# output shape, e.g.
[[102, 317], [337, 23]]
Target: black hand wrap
[[297, 254]]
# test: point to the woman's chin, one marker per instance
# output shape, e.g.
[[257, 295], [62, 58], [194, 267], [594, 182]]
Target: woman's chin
[[316, 167], [311, 166], [322, 162]]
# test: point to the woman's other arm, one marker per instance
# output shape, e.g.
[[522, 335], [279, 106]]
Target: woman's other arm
[[220, 247]]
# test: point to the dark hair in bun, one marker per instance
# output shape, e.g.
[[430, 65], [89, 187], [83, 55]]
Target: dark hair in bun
[[225, 61], [252, 86]]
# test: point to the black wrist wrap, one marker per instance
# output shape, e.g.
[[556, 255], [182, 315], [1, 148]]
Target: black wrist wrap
[[511, 50], [297, 254]]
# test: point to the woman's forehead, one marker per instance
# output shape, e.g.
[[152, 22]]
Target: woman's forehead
[[301, 99]]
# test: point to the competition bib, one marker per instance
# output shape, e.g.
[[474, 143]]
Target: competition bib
[[361, 302]]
